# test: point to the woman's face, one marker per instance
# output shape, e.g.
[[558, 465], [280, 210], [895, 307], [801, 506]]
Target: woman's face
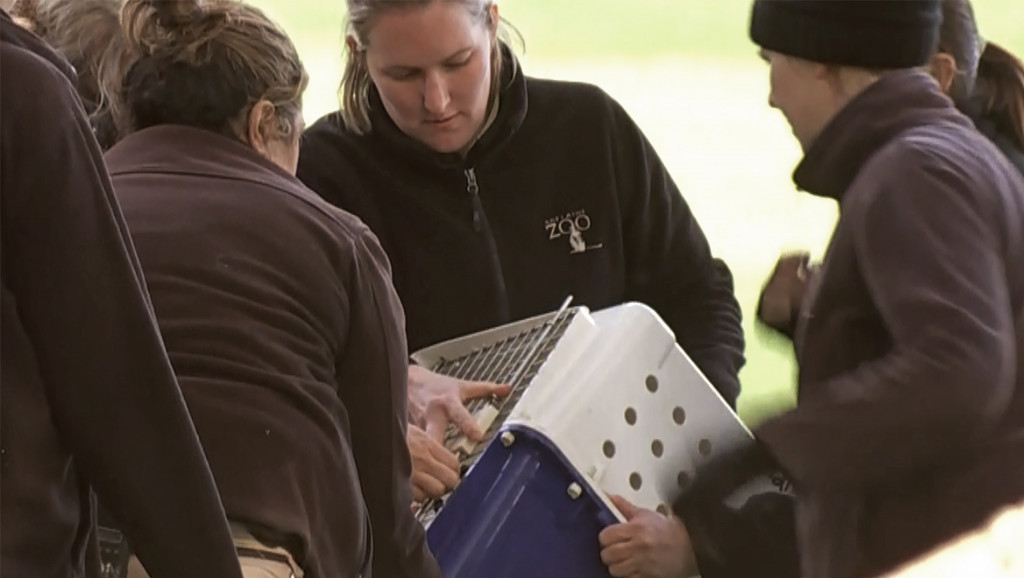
[[798, 90], [432, 68]]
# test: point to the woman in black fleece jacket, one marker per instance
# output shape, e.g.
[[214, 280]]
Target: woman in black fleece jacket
[[496, 195]]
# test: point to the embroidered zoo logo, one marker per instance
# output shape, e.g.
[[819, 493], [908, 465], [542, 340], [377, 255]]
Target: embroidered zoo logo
[[571, 226]]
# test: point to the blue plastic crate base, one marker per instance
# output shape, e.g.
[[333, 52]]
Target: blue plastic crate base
[[521, 511]]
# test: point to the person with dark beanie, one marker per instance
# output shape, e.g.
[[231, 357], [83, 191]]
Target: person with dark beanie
[[909, 426], [985, 81]]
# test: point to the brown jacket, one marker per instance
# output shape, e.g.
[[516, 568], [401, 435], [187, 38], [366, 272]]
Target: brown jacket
[[89, 400], [910, 422], [288, 340]]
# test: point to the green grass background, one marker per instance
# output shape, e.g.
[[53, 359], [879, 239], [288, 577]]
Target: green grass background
[[688, 74]]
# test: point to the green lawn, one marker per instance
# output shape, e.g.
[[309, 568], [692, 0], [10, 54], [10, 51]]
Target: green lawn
[[688, 74], [623, 28]]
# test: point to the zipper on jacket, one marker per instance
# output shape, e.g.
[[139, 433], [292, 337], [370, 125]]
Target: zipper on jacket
[[481, 226], [474, 193]]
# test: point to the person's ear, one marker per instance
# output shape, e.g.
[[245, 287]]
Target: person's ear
[[820, 71], [260, 126], [943, 67], [493, 19]]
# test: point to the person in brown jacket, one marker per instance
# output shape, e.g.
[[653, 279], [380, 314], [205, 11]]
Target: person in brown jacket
[[89, 400], [277, 309], [909, 427], [88, 34]]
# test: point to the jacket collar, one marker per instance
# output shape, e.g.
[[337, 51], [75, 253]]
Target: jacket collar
[[898, 101], [512, 106], [176, 149]]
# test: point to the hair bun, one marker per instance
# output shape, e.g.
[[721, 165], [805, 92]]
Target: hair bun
[[181, 26], [172, 14]]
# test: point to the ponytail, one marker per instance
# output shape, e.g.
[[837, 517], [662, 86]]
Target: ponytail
[[355, 91], [999, 90], [182, 26]]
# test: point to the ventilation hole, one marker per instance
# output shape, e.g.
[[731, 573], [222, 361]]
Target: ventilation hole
[[630, 416], [635, 481], [657, 448], [704, 447], [679, 415], [652, 383], [609, 449], [662, 509], [683, 479]]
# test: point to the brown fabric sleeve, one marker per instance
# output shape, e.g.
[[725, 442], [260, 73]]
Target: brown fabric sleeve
[[378, 415], [81, 296]]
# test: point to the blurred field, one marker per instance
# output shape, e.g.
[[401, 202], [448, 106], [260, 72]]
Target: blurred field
[[689, 76]]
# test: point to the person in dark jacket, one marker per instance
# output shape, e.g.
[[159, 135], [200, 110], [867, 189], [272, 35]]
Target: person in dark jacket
[[497, 195], [276, 308], [90, 402], [985, 81], [909, 427], [88, 34]]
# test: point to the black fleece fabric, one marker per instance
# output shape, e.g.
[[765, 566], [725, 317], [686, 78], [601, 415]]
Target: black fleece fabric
[[562, 195]]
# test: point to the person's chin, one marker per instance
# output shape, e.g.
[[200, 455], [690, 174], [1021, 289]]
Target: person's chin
[[445, 143]]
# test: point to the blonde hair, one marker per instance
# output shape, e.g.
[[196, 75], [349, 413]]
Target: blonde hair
[[204, 63], [355, 83], [87, 33]]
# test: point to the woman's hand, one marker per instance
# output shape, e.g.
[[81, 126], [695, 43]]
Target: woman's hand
[[647, 545]]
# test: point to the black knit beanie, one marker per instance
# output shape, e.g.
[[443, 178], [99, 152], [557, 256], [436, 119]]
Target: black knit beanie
[[878, 34]]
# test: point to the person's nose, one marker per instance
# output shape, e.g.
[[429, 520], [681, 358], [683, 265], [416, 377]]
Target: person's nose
[[436, 97]]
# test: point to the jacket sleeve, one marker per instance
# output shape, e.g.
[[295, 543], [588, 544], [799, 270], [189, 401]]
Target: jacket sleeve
[[670, 266], [376, 346], [934, 266], [758, 539], [82, 298]]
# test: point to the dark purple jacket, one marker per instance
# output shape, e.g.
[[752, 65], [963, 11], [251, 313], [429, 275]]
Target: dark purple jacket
[[89, 400], [909, 427]]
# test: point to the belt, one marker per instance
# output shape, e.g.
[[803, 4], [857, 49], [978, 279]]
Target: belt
[[248, 546], [244, 552]]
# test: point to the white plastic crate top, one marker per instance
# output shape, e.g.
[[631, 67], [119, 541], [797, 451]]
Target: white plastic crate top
[[622, 401]]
